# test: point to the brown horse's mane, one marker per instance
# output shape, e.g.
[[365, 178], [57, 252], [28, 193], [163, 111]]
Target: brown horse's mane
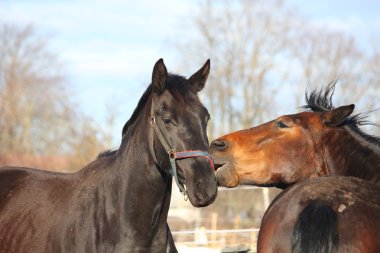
[[320, 100]]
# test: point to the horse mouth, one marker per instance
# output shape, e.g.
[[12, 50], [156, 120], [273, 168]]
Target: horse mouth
[[218, 164], [225, 174]]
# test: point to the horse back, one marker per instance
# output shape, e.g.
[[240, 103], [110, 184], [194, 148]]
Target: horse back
[[10, 179], [327, 214], [16, 182], [31, 202]]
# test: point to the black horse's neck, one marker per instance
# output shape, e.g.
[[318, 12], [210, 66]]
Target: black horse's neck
[[357, 155], [130, 192]]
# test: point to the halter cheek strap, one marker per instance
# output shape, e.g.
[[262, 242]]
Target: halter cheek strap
[[173, 155]]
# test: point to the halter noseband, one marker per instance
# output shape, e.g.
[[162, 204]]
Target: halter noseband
[[174, 155]]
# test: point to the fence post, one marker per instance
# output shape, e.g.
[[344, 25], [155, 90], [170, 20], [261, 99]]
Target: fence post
[[214, 223]]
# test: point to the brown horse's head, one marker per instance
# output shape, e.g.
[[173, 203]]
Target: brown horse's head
[[280, 152]]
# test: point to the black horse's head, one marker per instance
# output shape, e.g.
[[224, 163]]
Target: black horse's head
[[179, 121]]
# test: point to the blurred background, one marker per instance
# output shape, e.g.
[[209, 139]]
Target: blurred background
[[72, 71]]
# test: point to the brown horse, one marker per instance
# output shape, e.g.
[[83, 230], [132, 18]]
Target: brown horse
[[321, 141], [326, 214]]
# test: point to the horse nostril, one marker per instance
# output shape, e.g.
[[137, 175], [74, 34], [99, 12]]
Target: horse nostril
[[219, 145]]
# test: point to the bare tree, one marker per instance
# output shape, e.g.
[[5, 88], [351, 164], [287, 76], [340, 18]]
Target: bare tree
[[245, 40], [33, 98], [37, 112], [371, 69], [324, 56], [264, 56]]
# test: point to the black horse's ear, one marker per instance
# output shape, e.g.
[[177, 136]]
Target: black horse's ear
[[337, 116], [199, 79], [159, 76]]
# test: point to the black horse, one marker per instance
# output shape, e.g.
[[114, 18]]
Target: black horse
[[120, 201]]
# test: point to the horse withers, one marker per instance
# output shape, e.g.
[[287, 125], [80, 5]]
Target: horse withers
[[120, 201]]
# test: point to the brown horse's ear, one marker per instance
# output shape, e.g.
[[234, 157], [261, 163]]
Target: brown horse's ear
[[337, 116], [159, 76], [199, 79]]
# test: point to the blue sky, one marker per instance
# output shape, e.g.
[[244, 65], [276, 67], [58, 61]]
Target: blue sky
[[109, 47], [359, 18]]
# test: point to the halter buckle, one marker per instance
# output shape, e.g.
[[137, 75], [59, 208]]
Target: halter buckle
[[171, 153]]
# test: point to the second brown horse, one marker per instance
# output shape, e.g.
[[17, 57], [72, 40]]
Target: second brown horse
[[320, 141], [328, 214]]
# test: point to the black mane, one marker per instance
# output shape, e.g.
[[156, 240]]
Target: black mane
[[107, 153], [178, 87], [137, 110], [320, 100]]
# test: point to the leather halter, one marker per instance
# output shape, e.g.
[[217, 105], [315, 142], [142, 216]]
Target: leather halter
[[176, 155]]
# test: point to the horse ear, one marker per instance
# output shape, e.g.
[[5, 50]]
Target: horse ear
[[159, 76], [198, 80], [337, 116]]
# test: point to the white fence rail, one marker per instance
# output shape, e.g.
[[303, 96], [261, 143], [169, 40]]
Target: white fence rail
[[204, 240]]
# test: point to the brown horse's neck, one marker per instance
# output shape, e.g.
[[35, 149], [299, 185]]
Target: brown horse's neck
[[355, 155]]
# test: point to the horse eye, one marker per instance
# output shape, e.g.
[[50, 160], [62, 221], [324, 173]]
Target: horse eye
[[167, 121], [281, 124]]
